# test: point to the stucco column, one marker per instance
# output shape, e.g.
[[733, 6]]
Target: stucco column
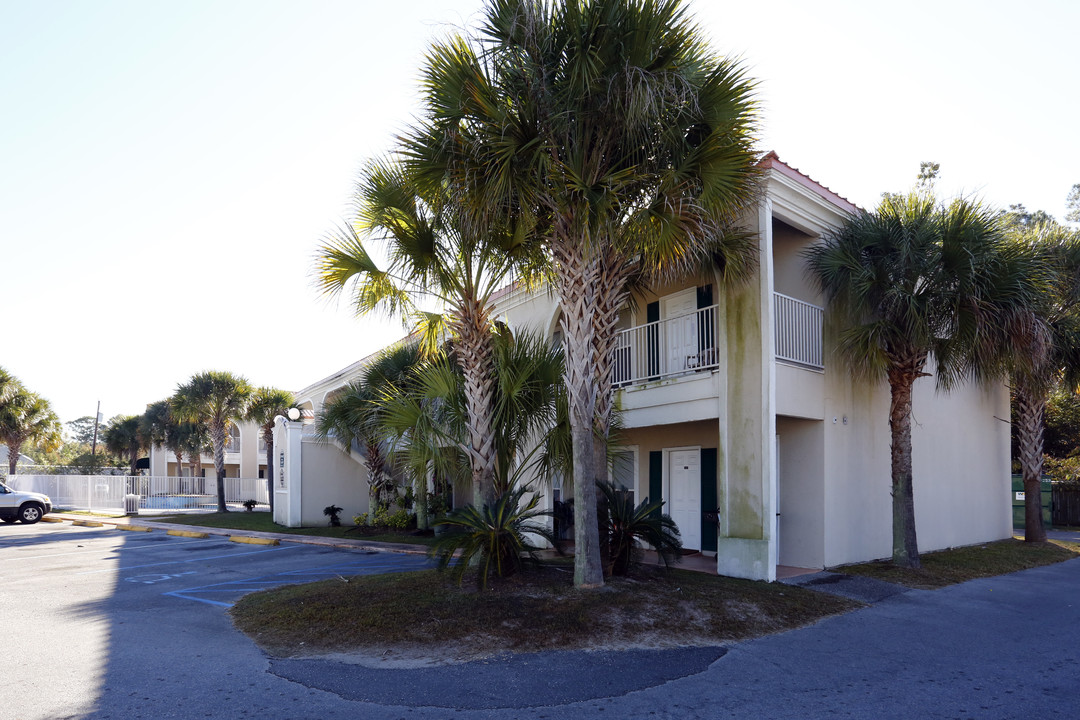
[[287, 474]]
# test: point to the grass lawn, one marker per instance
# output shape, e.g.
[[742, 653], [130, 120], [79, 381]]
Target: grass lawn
[[425, 614], [263, 522], [968, 563]]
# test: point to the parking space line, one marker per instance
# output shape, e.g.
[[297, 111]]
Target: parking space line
[[142, 546], [386, 564], [191, 560]]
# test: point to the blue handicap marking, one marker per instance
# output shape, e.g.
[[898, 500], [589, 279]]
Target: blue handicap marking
[[227, 593]]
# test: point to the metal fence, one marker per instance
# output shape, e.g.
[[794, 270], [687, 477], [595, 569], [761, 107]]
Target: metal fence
[[111, 493]]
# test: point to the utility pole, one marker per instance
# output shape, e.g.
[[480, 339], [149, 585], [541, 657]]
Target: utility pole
[[93, 445]]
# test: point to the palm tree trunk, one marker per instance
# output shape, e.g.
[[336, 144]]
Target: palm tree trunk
[[610, 297], [268, 438], [1030, 411], [474, 357], [179, 462], [576, 281], [902, 378], [13, 447], [217, 436], [376, 464]]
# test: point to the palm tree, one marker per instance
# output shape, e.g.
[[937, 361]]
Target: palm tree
[[125, 438], [161, 429], [194, 439], [212, 399], [1041, 362], [431, 255], [426, 420], [612, 130], [355, 414], [266, 404], [25, 417], [916, 279]]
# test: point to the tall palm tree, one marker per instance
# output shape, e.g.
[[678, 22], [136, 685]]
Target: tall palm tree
[[267, 403], [212, 399], [194, 440], [125, 438], [1039, 363], [25, 417], [161, 429], [628, 142], [432, 256], [355, 414], [426, 420], [911, 280]]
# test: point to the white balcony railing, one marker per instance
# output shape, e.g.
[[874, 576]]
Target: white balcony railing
[[798, 331], [688, 343], [665, 348]]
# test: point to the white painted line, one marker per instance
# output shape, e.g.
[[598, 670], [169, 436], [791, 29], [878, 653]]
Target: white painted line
[[144, 546], [191, 560]]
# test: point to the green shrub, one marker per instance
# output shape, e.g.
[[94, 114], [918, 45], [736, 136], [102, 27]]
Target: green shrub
[[493, 536], [361, 519], [332, 511], [622, 525]]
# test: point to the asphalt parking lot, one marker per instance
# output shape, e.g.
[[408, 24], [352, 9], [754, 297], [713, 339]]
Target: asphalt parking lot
[[105, 623]]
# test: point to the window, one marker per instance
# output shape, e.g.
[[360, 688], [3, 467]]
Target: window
[[624, 471]]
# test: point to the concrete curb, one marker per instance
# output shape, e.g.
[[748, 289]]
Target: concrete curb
[[195, 531], [52, 519], [254, 540], [87, 523], [187, 533], [134, 528]]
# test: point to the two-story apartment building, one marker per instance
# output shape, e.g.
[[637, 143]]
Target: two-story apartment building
[[766, 451]]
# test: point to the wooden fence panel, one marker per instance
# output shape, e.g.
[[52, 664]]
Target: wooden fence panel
[[1066, 504]]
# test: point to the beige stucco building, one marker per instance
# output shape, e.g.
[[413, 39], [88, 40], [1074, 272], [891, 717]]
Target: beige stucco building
[[766, 451]]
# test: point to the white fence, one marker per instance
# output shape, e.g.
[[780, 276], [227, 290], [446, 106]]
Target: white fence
[[798, 331], [112, 493]]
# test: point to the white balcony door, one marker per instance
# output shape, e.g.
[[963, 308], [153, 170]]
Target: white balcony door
[[684, 494], [681, 329]]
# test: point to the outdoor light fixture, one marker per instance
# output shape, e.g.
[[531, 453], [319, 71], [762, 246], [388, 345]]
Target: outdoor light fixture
[[294, 414]]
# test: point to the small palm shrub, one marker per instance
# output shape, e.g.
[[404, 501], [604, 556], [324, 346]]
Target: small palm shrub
[[622, 525], [332, 511], [492, 537], [249, 505]]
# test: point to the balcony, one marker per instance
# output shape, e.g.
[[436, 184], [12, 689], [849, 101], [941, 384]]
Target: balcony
[[688, 343], [798, 332], [666, 348]]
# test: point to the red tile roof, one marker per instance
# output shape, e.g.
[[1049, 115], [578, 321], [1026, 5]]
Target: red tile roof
[[772, 161]]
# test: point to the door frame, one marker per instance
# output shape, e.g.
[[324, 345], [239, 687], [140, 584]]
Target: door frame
[[665, 476]]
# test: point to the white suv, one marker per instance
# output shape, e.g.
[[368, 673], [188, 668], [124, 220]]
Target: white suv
[[16, 505]]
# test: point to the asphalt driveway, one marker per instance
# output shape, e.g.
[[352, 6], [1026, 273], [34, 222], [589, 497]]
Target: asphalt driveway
[[108, 624]]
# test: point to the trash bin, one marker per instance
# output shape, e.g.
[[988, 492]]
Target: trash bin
[[1018, 502], [131, 504]]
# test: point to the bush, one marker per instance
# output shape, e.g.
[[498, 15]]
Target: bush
[[622, 525], [493, 537], [332, 511], [360, 519], [249, 505]]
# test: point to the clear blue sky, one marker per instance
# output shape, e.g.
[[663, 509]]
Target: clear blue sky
[[167, 169]]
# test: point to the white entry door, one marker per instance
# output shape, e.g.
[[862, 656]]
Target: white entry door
[[684, 495], [681, 330]]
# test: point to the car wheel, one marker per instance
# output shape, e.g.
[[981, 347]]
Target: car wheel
[[10, 520], [30, 513]]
